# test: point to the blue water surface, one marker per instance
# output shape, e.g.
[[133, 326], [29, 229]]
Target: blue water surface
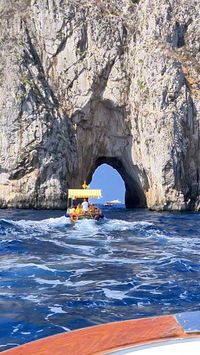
[[55, 276]]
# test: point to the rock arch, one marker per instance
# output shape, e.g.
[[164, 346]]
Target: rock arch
[[92, 84], [134, 195]]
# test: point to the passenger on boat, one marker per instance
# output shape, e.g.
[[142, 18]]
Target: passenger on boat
[[97, 213], [94, 211], [85, 206], [79, 209], [71, 209], [92, 208]]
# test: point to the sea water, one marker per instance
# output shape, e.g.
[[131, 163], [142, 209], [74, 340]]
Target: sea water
[[57, 276]]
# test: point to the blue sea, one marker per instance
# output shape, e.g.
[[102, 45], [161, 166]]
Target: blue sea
[[56, 277]]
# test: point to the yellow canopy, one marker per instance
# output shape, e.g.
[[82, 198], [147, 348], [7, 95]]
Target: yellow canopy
[[79, 193]]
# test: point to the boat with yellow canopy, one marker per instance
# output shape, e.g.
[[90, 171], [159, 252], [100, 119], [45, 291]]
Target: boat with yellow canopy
[[79, 206]]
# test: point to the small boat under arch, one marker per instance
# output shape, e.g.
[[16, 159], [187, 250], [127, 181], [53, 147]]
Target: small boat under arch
[[74, 213]]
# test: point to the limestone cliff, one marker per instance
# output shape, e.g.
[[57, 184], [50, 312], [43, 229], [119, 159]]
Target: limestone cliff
[[86, 82]]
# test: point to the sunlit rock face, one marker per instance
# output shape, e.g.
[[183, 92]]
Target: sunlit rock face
[[89, 82]]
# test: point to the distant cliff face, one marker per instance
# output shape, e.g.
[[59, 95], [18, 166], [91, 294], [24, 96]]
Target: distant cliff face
[[89, 82]]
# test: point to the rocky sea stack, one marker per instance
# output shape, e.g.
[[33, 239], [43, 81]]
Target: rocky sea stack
[[86, 82]]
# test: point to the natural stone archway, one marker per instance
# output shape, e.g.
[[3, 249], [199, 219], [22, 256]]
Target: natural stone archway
[[134, 194], [86, 81]]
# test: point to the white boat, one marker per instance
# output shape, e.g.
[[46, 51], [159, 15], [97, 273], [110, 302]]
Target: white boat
[[112, 203]]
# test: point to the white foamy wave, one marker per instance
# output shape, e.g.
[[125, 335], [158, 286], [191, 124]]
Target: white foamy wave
[[24, 265], [113, 294], [34, 298], [42, 281], [56, 222], [156, 233], [43, 225], [56, 309], [86, 228], [121, 225], [142, 228]]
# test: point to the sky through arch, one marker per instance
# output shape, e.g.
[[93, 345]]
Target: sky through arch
[[111, 183]]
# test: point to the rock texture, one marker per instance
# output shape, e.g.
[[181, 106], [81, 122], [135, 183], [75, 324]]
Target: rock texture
[[89, 82]]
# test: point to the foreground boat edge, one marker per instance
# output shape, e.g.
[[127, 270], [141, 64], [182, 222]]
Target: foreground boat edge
[[108, 337]]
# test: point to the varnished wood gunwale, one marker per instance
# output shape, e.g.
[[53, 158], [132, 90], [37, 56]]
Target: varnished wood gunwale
[[102, 338]]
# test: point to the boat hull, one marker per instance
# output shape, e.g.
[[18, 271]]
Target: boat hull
[[84, 217]]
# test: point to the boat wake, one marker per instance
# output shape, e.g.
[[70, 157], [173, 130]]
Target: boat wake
[[85, 227]]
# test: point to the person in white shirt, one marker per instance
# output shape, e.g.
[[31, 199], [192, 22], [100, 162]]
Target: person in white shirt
[[85, 205]]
